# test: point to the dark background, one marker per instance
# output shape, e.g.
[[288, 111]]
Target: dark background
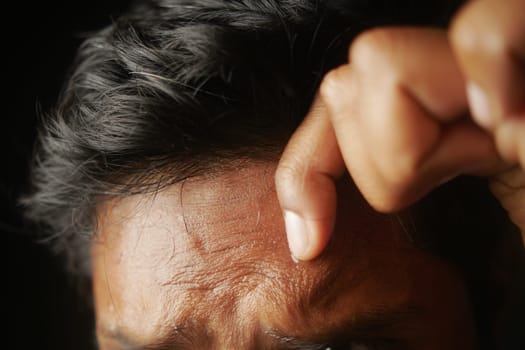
[[39, 40]]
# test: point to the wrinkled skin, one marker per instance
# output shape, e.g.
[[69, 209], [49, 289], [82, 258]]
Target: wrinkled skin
[[205, 264]]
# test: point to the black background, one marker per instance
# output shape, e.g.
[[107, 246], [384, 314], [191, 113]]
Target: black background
[[39, 40]]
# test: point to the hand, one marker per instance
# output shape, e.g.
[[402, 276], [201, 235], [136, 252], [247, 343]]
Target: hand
[[397, 119], [489, 43]]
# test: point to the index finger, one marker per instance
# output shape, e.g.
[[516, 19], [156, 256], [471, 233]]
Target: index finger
[[305, 183]]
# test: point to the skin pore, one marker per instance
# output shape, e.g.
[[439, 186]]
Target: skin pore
[[205, 264]]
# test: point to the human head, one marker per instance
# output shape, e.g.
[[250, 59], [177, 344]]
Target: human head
[[179, 90]]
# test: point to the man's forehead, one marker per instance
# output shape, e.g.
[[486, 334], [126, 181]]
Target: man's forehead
[[213, 216], [219, 236], [214, 246]]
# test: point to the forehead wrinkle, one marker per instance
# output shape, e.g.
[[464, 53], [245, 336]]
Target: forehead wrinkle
[[213, 277], [221, 307], [226, 205], [308, 292], [342, 267], [307, 303], [229, 246], [191, 279], [231, 253]]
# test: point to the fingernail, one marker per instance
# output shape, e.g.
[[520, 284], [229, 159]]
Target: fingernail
[[479, 106], [297, 233]]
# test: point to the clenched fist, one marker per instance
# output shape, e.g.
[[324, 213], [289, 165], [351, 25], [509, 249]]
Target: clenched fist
[[412, 109]]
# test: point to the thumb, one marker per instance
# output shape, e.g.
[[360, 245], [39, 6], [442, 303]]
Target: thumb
[[305, 183]]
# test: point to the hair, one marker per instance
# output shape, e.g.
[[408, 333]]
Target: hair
[[177, 88]]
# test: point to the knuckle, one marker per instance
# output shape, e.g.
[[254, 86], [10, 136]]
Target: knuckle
[[474, 33], [287, 176], [405, 171], [386, 202], [329, 86], [388, 190], [390, 201], [373, 52], [370, 44], [401, 173]]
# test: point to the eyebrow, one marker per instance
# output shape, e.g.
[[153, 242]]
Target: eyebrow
[[367, 325], [178, 339]]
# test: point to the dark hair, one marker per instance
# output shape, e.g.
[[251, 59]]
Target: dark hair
[[172, 88]]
